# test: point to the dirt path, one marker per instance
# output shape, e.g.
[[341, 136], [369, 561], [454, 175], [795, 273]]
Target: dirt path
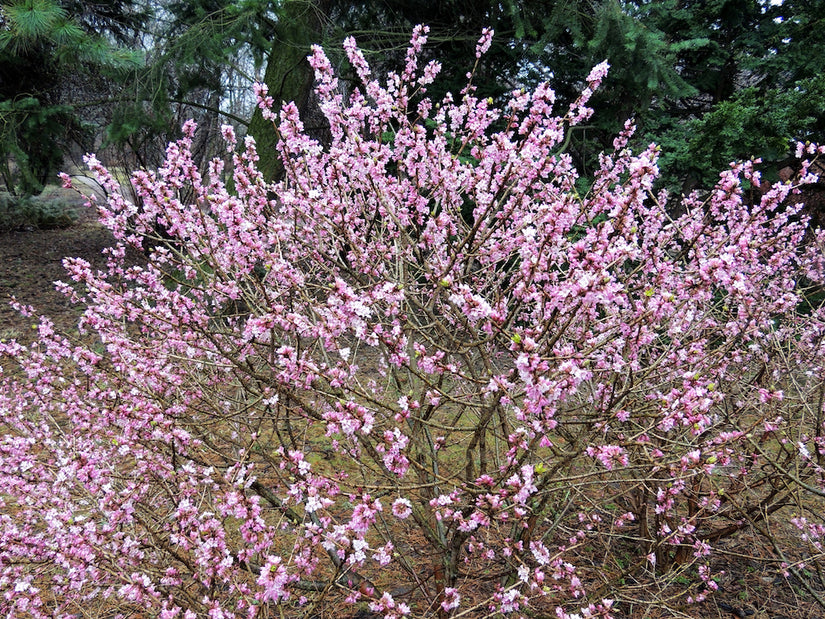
[[30, 261]]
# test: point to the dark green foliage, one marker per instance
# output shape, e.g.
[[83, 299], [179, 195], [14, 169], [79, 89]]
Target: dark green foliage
[[757, 85], [382, 30], [697, 77], [749, 124], [29, 134], [710, 81], [42, 44]]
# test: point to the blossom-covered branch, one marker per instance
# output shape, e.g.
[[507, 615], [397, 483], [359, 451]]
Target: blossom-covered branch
[[427, 373]]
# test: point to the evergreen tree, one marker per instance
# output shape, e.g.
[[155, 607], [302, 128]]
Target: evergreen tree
[[41, 42], [758, 85]]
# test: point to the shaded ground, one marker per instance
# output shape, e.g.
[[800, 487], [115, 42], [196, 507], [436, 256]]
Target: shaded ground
[[30, 261]]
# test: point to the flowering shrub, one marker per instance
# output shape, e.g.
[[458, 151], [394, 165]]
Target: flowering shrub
[[426, 374]]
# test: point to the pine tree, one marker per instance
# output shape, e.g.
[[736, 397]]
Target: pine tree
[[41, 42]]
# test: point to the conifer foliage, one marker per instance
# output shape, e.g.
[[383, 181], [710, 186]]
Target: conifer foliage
[[425, 374]]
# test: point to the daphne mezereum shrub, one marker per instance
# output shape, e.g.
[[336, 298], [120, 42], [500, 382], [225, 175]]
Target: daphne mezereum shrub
[[422, 375]]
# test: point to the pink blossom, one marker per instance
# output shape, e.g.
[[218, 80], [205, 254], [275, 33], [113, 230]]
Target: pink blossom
[[452, 599], [401, 508], [484, 42], [609, 455]]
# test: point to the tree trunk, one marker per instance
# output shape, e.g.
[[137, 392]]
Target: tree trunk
[[288, 74]]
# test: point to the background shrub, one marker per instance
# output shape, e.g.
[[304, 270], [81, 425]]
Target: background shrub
[[40, 212]]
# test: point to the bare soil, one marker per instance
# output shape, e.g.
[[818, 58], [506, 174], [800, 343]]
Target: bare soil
[[31, 261]]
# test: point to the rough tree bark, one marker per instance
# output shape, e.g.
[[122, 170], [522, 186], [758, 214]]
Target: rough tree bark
[[288, 74]]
